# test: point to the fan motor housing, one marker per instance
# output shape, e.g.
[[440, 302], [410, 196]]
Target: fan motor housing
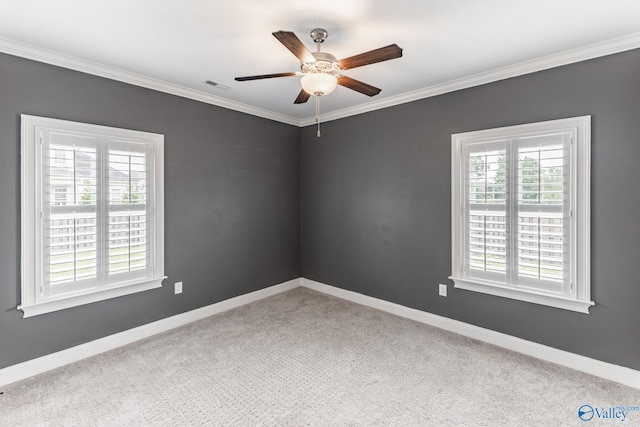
[[324, 63]]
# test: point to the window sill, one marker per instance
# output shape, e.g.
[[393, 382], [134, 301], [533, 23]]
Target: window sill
[[38, 308], [523, 295]]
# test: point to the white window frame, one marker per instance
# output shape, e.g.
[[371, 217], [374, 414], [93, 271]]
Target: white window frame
[[579, 297], [33, 301]]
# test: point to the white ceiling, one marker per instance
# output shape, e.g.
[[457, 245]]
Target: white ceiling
[[448, 44]]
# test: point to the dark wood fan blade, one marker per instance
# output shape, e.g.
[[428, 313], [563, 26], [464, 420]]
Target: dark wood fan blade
[[264, 76], [302, 97], [386, 53], [358, 86], [293, 43]]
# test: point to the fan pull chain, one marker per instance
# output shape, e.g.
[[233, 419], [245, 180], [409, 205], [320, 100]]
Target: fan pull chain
[[318, 114]]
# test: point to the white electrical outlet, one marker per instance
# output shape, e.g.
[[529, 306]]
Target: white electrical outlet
[[178, 288], [443, 290]]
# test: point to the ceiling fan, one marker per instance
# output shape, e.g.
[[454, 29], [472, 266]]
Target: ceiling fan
[[321, 71]]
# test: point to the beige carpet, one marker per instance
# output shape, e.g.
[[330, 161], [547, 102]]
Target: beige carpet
[[302, 358]]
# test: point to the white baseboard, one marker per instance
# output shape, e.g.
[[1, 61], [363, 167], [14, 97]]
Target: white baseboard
[[51, 361], [595, 367]]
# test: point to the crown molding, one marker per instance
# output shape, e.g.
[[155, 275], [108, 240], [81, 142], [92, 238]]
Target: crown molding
[[571, 56], [592, 51], [58, 59]]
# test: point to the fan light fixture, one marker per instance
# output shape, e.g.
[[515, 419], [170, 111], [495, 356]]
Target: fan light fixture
[[318, 84]]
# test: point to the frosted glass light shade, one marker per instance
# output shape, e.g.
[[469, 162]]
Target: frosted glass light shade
[[318, 83]]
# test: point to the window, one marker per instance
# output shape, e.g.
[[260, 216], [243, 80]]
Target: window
[[92, 213], [520, 212]]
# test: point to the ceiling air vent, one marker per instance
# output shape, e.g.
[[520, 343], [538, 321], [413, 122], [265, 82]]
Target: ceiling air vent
[[218, 85]]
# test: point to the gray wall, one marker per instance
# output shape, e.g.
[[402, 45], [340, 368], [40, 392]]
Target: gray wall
[[232, 202], [376, 203]]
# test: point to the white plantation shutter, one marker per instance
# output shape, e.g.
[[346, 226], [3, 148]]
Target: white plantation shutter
[[518, 213], [70, 212], [515, 232], [129, 218], [92, 213], [543, 212], [486, 216]]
